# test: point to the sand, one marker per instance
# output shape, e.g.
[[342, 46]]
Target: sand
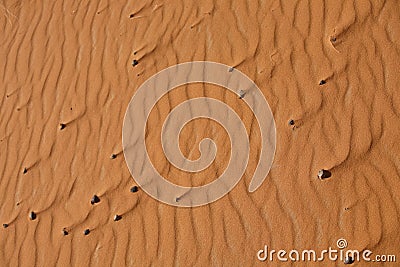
[[70, 63]]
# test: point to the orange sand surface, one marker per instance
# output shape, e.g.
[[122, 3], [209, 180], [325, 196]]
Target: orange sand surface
[[69, 62]]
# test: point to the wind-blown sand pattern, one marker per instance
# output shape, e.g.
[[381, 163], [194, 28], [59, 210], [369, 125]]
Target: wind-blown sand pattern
[[65, 62]]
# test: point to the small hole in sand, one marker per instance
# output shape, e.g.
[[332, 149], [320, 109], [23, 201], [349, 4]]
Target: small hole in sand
[[32, 215], [323, 174], [134, 189], [348, 260], [95, 199]]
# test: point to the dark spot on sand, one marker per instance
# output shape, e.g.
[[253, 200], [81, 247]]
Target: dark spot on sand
[[117, 217], [5, 225], [348, 260], [333, 39], [86, 232], [95, 199], [113, 156], [134, 189], [291, 122], [322, 82], [65, 232], [131, 16], [323, 174], [32, 215], [241, 94], [25, 170], [62, 126], [135, 62]]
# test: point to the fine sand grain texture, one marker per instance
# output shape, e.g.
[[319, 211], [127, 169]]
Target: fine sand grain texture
[[66, 78]]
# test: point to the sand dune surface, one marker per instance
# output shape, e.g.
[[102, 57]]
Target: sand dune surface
[[66, 78]]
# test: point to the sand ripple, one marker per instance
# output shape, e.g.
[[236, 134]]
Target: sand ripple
[[71, 63]]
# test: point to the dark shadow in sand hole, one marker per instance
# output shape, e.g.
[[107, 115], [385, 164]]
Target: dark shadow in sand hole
[[348, 260], [95, 199], [115, 155], [323, 174], [32, 215], [134, 189]]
